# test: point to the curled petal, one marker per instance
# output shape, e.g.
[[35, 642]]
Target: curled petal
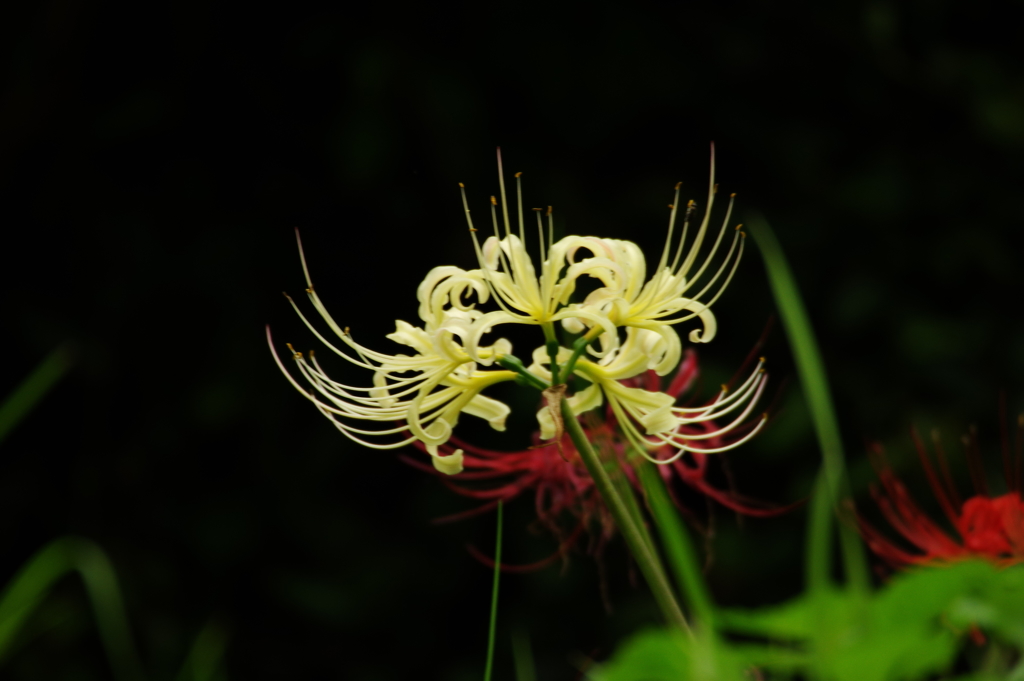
[[493, 411], [450, 464]]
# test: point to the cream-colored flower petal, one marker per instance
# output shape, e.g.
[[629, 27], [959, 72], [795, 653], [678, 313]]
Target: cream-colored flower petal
[[450, 464], [417, 396], [492, 410]]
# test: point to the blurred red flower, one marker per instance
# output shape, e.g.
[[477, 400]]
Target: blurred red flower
[[984, 526], [562, 486]]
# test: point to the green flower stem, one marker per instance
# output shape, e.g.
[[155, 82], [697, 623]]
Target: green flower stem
[[553, 346], [643, 553], [512, 363], [625, 491], [578, 347], [681, 554]]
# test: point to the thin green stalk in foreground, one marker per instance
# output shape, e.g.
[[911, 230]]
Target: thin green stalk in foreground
[[494, 600], [644, 554], [832, 485], [33, 582]]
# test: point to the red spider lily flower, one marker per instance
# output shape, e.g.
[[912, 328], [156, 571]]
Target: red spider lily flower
[[985, 526], [562, 486]]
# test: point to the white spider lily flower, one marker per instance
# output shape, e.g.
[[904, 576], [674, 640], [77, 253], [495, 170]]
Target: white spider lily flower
[[672, 295], [686, 429], [418, 397], [523, 295]]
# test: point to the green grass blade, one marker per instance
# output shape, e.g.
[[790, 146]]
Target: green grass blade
[[28, 588], [101, 585], [494, 599], [206, 656], [33, 389], [36, 578], [813, 378]]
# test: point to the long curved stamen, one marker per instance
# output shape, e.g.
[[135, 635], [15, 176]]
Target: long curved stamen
[[732, 445], [725, 397], [699, 239], [737, 421], [690, 207], [497, 293], [714, 249], [504, 201]]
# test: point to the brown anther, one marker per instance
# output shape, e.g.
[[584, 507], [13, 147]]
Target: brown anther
[[548, 214], [761, 371], [739, 226], [715, 190], [732, 196], [295, 354], [725, 388], [678, 185], [472, 229], [743, 234], [347, 333], [309, 290], [690, 204], [762, 359], [519, 174], [288, 297], [1020, 420], [672, 206], [494, 201], [764, 416], [462, 185], [537, 209]]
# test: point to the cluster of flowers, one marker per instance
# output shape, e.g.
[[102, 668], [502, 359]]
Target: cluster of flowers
[[623, 328], [562, 487]]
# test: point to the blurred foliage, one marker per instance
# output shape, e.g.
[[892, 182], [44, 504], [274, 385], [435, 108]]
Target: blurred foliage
[[25, 594], [155, 159], [913, 628]]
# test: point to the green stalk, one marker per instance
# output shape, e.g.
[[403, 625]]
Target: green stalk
[[833, 484], [552, 345], [681, 554], [642, 552], [494, 600], [625, 492], [577, 349]]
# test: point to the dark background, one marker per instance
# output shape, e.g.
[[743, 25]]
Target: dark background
[[153, 163]]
